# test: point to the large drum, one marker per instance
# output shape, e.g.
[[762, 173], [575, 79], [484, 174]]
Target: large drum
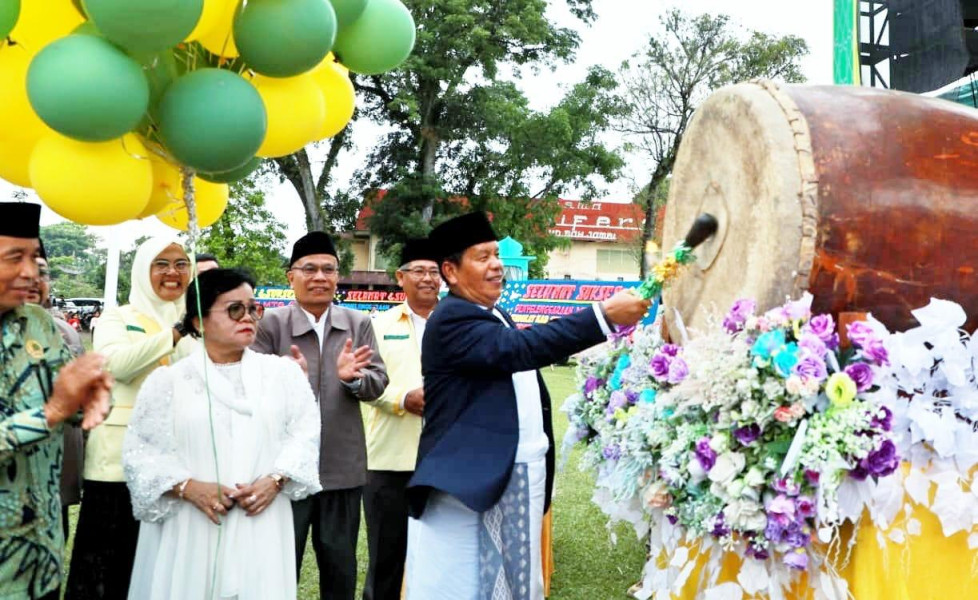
[[867, 198]]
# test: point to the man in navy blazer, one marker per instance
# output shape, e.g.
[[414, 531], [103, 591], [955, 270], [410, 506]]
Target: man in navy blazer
[[485, 467]]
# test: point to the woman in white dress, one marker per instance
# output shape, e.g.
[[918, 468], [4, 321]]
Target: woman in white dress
[[217, 446]]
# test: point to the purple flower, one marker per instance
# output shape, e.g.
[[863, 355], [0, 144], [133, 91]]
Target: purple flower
[[859, 473], [621, 332], [739, 312], [659, 366], [812, 477], [704, 454], [632, 396], [882, 461], [799, 309], [673, 519], [591, 384], [860, 334], [756, 552], [612, 452], [775, 530], [883, 419], [678, 370], [876, 353], [618, 400], [813, 345], [786, 487], [747, 435], [720, 528], [796, 560], [861, 374], [795, 536], [822, 327], [781, 509], [811, 367], [805, 507], [669, 349]]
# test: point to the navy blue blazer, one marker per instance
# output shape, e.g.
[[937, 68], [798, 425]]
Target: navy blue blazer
[[471, 428]]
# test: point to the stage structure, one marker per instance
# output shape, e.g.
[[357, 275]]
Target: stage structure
[[918, 46]]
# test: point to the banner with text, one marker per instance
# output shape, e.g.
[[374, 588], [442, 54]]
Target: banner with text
[[529, 302]]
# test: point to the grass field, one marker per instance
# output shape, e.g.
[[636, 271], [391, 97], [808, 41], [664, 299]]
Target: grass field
[[589, 566]]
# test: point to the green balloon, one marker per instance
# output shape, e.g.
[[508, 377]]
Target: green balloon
[[145, 25], [85, 88], [9, 11], [283, 38], [86, 28], [234, 174], [381, 39], [78, 6], [348, 11], [212, 120]]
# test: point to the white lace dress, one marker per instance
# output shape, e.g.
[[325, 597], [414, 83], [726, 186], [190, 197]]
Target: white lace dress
[[264, 420]]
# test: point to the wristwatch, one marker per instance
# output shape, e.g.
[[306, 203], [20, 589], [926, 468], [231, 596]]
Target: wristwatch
[[181, 328], [279, 480]]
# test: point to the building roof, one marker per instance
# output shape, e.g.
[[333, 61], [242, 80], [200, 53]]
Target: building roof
[[582, 221]]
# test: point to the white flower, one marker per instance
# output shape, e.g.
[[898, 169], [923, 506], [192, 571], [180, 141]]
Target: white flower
[[657, 495], [727, 467], [745, 515], [720, 442], [754, 477], [735, 488], [696, 471], [794, 385]]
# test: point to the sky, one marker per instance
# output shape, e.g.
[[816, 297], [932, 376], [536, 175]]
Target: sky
[[620, 30]]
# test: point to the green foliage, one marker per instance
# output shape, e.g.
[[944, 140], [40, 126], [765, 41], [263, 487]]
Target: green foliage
[[463, 131], [75, 262], [679, 67], [248, 235]]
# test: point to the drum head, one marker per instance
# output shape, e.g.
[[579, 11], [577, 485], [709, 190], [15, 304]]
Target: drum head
[[746, 158]]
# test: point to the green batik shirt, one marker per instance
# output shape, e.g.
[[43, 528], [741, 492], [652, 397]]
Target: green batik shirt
[[31, 542]]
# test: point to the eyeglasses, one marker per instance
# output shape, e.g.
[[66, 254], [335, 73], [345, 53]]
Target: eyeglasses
[[237, 311], [310, 270], [162, 266], [420, 272]]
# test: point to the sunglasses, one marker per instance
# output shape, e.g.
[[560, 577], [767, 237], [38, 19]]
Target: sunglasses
[[237, 311]]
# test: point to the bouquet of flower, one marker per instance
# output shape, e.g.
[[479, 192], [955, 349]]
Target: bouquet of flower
[[746, 435]]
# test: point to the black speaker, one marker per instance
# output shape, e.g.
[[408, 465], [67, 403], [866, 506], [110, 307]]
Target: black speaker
[[932, 42]]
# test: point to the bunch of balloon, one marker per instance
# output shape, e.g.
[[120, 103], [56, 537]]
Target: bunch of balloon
[[117, 109]]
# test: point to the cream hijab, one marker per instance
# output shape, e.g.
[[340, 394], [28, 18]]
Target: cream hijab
[[142, 296]]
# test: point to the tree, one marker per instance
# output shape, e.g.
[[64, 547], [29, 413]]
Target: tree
[[460, 130], [74, 260], [248, 235], [679, 67]]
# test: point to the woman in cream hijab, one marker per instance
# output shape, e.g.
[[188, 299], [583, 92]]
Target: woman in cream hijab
[[135, 339]]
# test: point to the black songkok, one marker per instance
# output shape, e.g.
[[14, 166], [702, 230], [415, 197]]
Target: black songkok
[[455, 235], [418, 249], [20, 220], [314, 242]]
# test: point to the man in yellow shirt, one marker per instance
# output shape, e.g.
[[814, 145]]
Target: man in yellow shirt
[[394, 421]]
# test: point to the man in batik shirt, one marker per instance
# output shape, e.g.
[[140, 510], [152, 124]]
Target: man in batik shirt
[[39, 390]]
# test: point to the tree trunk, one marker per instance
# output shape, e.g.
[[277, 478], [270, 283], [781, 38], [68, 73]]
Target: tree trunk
[[429, 152], [297, 169]]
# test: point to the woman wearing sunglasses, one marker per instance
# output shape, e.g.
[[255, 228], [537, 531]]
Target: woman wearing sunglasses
[[217, 447], [135, 339]]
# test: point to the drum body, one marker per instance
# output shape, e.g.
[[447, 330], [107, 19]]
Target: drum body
[[867, 198]]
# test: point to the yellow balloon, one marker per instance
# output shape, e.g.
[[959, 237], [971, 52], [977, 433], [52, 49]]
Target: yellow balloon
[[101, 183], [218, 38], [295, 109], [334, 82], [14, 163], [19, 123], [43, 21], [167, 187], [209, 18], [211, 200]]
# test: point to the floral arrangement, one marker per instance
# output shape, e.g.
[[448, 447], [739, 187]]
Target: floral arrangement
[[931, 385], [738, 441]]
